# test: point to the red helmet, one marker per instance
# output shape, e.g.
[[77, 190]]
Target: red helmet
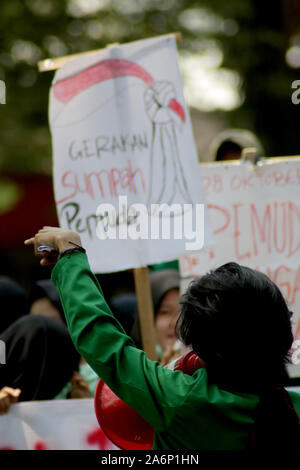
[[123, 425]]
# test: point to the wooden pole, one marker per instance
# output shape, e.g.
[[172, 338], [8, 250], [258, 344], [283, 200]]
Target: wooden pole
[[145, 311], [57, 62]]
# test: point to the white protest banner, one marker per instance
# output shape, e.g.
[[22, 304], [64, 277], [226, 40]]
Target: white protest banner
[[52, 425], [122, 148], [255, 214]]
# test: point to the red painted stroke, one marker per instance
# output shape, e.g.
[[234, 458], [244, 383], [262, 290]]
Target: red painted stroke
[[177, 108], [297, 334], [98, 438], [40, 445], [65, 90]]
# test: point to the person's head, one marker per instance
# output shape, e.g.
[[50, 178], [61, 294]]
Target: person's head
[[228, 150], [229, 144], [12, 302], [237, 321], [165, 294], [165, 285], [44, 300], [166, 317]]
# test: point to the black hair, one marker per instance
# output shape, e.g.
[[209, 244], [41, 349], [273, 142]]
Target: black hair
[[12, 302], [227, 146], [237, 321]]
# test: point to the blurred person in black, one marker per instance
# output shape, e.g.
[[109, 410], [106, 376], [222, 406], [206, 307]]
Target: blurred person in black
[[229, 144], [13, 302], [40, 356]]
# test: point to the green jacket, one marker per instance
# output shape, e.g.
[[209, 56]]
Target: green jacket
[[185, 411]]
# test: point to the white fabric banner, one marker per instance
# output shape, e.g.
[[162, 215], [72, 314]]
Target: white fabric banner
[[55, 425], [121, 129], [52, 425], [255, 214]]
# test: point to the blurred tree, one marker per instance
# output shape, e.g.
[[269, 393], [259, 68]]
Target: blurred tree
[[249, 37]]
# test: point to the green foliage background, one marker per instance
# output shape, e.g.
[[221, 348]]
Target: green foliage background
[[32, 30]]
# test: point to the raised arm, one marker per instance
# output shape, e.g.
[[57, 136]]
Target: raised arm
[[146, 386]]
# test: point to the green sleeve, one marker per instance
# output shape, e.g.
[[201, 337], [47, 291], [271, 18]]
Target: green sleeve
[[295, 397], [155, 392]]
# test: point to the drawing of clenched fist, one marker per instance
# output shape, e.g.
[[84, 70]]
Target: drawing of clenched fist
[[157, 99], [167, 181]]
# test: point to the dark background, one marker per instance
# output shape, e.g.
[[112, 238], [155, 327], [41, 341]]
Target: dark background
[[260, 41]]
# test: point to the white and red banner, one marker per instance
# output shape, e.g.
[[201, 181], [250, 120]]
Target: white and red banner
[[52, 425], [255, 215], [120, 127]]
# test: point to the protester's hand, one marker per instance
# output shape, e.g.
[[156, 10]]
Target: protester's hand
[[57, 238], [8, 396], [79, 387]]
